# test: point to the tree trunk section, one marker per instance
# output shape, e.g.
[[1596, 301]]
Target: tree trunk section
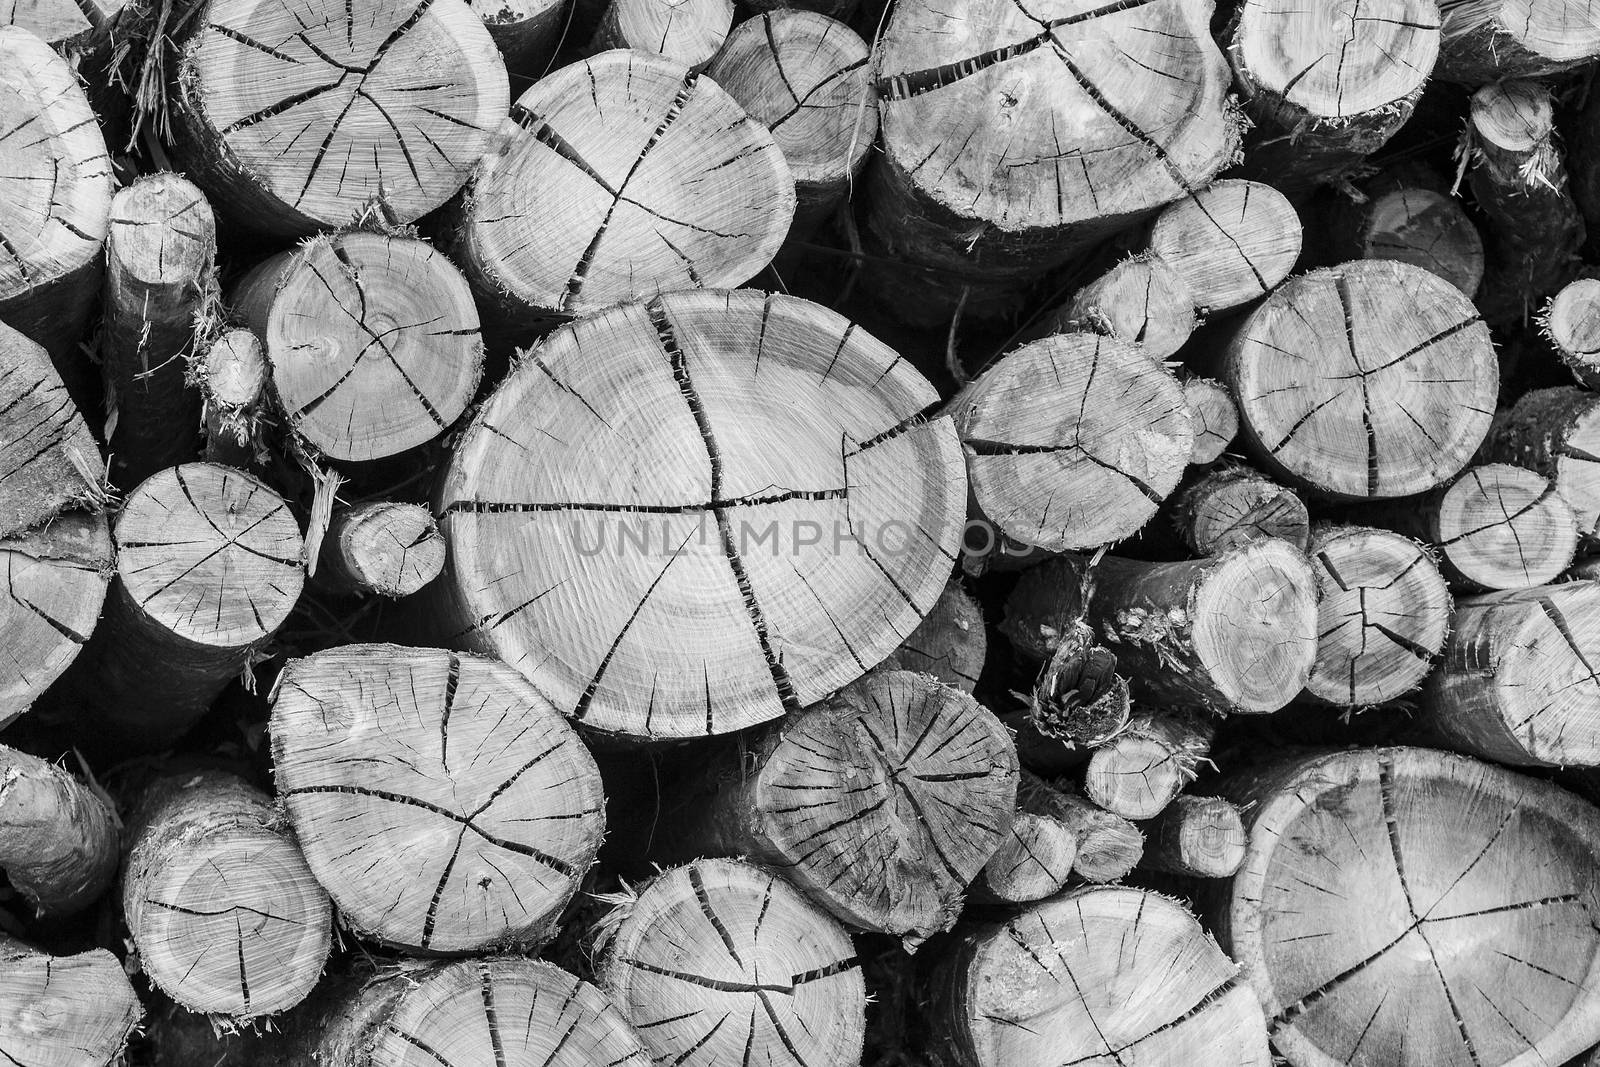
[[1234, 506], [1423, 227], [1033, 862], [1109, 846], [1141, 301], [52, 464], [1214, 417], [950, 644], [689, 32], [233, 382], [64, 1011], [527, 32], [1230, 243], [381, 548], [58, 837], [1141, 770], [1555, 432], [1571, 322], [1197, 837], [1493, 42]]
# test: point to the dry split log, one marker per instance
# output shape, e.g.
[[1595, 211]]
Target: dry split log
[[1140, 771], [294, 118], [1108, 845], [805, 77], [720, 962], [748, 500], [1199, 837], [64, 1011], [70, 28], [372, 341], [381, 547], [1517, 683], [689, 32], [1383, 613], [620, 177], [950, 644], [1405, 906], [1500, 39], [233, 383], [1073, 441], [1234, 632], [223, 911], [57, 199], [1235, 505], [1423, 227], [1387, 387], [51, 462], [1100, 974], [159, 276], [1327, 88], [58, 837], [1213, 416], [442, 801], [1571, 322], [1555, 432]]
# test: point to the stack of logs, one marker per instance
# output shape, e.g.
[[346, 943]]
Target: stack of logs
[[582, 533]]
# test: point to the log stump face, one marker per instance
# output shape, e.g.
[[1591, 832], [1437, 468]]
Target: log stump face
[[297, 115], [1231, 242], [1426, 229], [1572, 323], [1373, 379], [63, 24], [1405, 906], [717, 959], [64, 1011], [475, 807], [1505, 527], [686, 518]]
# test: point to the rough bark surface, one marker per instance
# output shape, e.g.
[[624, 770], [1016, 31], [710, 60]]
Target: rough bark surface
[[58, 837]]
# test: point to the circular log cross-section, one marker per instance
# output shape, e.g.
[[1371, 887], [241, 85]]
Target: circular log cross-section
[[1493, 40], [1141, 301], [1383, 614], [381, 547], [372, 341], [1236, 505], [720, 962], [1108, 846], [1214, 417], [1572, 323], [1140, 771], [744, 499], [294, 116], [443, 802], [685, 31], [64, 1011], [629, 175], [226, 915], [1034, 861], [1202, 837], [1389, 389], [1104, 974], [1502, 527], [1407, 906], [1556, 432], [1424, 228], [1073, 441], [1231, 242]]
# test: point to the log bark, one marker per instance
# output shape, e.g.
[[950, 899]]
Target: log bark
[[1214, 417], [64, 1011], [1112, 990], [1491, 42], [1235, 632], [1516, 682], [527, 32], [1571, 323], [293, 119], [58, 837], [445, 805], [209, 567], [1108, 845], [1233, 506], [656, 180], [719, 960], [950, 644], [222, 909], [1073, 441], [881, 803], [1140, 771], [53, 219], [739, 549], [805, 77], [233, 383], [1426, 866], [1520, 182], [1423, 227], [1327, 91], [372, 341], [1197, 837], [1555, 432], [381, 548], [1383, 613], [1393, 391], [55, 578], [1079, 701], [689, 32], [159, 277], [1230, 243]]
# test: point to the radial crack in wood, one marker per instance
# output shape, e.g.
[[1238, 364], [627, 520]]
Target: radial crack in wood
[[1555, 432], [48, 461], [64, 1011], [1231, 242]]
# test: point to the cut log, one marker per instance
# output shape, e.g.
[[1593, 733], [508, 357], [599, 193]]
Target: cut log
[[749, 499], [1072, 441], [720, 960], [1422, 227], [1079, 701], [233, 383], [1499, 39], [1234, 632], [291, 124], [381, 547], [1234, 506], [1404, 906], [1556, 432], [1520, 182], [372, 341], [1231, 242], [1198, 837], [1392, 390], [1102, 974], [1010, 145], [1327, 88], [58, 837], [70, 28], [208, 858], [1571, 322], [442, 801], [655, 180], [1496, 527], [52, 463], [1214, 417], [1109, 846], [950, 644], [56, 577], [1140, 301], [689, 32], [208, 567], [159, 276], [1383, 613], [1140, 771], [527, 32], [1516, 682], [805, 77], [881, 803], [1033, 862], [64, 1011], [58, 198]]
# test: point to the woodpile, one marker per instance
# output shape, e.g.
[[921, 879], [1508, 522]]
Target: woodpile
[[923, 533]]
